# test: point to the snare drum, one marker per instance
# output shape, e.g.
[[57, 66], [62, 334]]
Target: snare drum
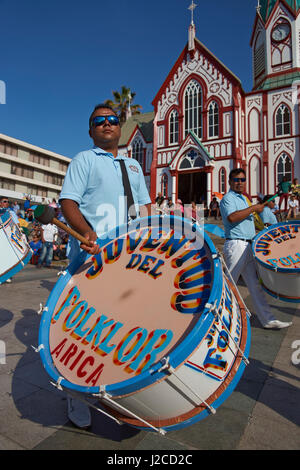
[[277, 253], [15, 251], [151, 325]]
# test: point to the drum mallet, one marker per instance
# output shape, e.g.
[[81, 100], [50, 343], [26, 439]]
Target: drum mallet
[[271, 198], [46, 215]]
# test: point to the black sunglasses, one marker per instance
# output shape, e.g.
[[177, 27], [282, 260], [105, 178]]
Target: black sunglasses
[[100, 120], [239, 180], [5, 201]]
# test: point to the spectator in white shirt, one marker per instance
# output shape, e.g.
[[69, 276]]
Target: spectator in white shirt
[[293, 206], [49, 235]]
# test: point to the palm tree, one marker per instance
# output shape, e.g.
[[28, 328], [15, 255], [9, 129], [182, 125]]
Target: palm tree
[[122, 103]]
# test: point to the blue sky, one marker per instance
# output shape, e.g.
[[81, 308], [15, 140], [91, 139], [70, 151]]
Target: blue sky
[[60, 58]]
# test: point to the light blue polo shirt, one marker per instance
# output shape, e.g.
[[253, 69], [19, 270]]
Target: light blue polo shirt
[[267, 216], [230, 203], [94, 181]]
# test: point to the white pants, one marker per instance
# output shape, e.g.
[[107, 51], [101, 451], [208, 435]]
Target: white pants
[[240, 262]]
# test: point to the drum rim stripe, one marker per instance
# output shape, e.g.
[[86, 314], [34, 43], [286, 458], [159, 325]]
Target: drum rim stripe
[[263, 263], [280, 296], [150, 376], [17, 267]]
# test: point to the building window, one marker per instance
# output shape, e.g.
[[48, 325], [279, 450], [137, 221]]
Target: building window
[[193, 109], [283, 121], [63, 166], [21, 170], [53, 179], [213, 119], [8, 149], [222, 181], [164, 185], [138, 151], [39, 159], [36, 191], [7, 184], [284, 167], [173, 126]]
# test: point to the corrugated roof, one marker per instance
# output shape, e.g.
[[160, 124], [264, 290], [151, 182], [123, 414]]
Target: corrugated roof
[[278, 81], [145, 123]]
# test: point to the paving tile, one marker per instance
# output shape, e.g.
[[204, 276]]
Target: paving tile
[[154, 441], [266, 434]]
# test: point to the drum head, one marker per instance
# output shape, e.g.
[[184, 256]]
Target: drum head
[[277, 248], [113, 317]]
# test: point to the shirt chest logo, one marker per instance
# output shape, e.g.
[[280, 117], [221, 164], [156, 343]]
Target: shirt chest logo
[[134, 168]]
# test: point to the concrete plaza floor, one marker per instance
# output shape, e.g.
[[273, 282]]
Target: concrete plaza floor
[[262, 413]]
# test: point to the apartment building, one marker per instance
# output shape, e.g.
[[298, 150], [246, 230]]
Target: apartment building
[[29, 170]]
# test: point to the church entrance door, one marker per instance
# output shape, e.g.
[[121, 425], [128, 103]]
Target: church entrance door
[[192, 186]]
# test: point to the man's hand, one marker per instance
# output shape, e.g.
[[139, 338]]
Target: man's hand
[[92, 237], [258, 208]]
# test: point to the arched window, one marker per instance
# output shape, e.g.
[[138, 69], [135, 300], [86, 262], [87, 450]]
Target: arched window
[[283, 167], [138, 151], [213, 119], [193, 109], [283, 121], [173, 126], [222, 181], [164, 185]]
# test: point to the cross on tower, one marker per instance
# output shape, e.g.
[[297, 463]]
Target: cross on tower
[[192, 8]]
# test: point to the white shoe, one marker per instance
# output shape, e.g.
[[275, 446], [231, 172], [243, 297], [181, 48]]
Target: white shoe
[[8, 281], [277, 325], [79, 413]]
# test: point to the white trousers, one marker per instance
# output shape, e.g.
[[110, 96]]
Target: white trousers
[[239, 259]]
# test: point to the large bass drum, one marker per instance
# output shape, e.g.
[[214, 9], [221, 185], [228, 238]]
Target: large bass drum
[[277, 253], [15, 251], [151, 325]]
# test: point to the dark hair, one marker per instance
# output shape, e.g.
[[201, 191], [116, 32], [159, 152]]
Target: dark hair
[[236, 171], [103, 106], [268, 196]]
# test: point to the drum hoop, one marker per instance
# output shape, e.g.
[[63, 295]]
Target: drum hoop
[[263, 263], [150, 376], [16, 267]]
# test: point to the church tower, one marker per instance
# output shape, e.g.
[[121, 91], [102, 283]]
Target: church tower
[[275, 44]]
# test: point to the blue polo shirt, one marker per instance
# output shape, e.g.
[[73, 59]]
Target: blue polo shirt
[[94, 181], [267, 216], [230, 203]]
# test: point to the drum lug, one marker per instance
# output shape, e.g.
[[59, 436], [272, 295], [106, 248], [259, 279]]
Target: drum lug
[[166, 366], [63, 273], [42, 309], [57, 384], [37, 350]]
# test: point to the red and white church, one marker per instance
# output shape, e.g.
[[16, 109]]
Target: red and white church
[[204, 124]]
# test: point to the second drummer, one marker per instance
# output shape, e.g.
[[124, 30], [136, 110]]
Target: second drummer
[[239, 232]]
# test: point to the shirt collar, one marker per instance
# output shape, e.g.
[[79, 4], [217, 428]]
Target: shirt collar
[[235, 193], [99, 151]]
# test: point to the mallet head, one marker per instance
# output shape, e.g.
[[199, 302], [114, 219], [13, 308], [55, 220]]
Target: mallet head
[[44, 214]]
